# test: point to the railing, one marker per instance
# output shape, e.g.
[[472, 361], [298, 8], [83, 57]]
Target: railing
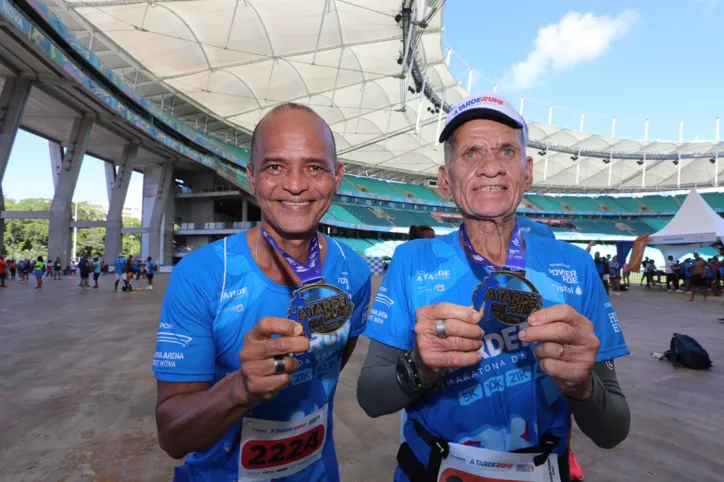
[[217, 226]]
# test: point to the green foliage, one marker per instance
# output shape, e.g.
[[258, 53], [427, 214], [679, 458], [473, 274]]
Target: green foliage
[[28, 238]]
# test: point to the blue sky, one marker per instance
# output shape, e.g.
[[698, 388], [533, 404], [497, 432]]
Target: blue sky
[[633, 60], [656, 59]]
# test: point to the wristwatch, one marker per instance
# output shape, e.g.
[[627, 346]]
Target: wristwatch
[[408, 375]]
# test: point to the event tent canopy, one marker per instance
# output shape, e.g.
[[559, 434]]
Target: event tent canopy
[[695, 223]]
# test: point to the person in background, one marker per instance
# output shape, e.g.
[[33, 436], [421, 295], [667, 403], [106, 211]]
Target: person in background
[[120, 269], [85, 267], [129, 273], [626, 271], [602, 269], [49, 269], [150, 270], [3, 271], [39, 268], [57, 269], [672, 278], [698, 276], [615, 276], [13, 266], [96, 272], [421, 231]]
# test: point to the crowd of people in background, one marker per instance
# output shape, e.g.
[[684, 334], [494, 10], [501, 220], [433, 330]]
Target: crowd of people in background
[[132, 269]]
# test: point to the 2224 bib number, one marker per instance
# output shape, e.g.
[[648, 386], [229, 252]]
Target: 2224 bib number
[[258, 454]]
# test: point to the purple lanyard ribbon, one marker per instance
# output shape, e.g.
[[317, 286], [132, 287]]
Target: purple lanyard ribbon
[[307, 273], [515, 262]]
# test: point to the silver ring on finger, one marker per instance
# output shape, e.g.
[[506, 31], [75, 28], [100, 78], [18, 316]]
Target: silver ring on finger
[[440, 327], [280, 364]]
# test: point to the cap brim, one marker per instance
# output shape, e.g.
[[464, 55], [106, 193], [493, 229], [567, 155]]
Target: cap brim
[[477, 113]]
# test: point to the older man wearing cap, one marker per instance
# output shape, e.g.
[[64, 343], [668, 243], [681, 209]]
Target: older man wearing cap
[[490, 338]]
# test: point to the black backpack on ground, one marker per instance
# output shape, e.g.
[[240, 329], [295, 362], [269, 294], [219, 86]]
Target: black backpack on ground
[[686, 351]]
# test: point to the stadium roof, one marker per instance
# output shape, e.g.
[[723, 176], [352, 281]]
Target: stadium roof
[[222, 64]]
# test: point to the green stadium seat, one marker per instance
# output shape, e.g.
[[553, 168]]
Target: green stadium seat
[[715, 199], [347, 186], [657, 223], [660, 204], [547, 203], [367, 216], [630, 205], [339, 213], [375, 186], [416, 191]]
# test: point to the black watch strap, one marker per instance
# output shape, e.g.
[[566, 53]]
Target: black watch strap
[[408, 375]]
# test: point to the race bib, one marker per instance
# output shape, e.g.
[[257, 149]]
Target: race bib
[[472, 464], [272, 449]]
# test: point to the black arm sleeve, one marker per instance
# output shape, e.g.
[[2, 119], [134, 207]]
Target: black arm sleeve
[[378, 391], [605, 417]]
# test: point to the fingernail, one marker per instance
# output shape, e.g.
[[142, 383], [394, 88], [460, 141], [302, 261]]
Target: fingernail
[[298, 330], [532, 318], [523, 335]]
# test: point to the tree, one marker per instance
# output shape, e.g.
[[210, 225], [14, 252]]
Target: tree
[[28, 238]]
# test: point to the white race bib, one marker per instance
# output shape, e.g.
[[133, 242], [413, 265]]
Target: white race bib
[[473, 464], [270, 449]]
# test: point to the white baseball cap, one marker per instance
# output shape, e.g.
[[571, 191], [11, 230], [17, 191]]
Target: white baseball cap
[[487, 105]]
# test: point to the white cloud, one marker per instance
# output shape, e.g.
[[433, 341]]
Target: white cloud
[[708, 5], [574, 39]]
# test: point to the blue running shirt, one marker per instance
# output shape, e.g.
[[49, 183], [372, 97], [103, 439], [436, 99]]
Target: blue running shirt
[[120, 265], [205, 315], [504, 403], [536, 228]]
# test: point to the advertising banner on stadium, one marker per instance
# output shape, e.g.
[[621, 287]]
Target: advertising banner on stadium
[[637, 253]]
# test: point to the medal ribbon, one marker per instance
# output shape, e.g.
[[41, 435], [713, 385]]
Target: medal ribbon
[[307, 273], [515, 262]]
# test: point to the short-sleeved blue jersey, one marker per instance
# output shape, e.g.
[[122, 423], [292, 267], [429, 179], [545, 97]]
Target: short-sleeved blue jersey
[[505, 402], [120, 265], [534, 227], [216, 294]]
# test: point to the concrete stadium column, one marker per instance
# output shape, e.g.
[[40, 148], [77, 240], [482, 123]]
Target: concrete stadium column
[[12, 102], [110, 170], [156, 189], [118, 189], [169, 215], [59, 234], [56, 160]]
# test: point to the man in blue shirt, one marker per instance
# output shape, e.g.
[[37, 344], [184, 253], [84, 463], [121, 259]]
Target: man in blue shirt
[[247, 360], [150, 271], [488, 337], [120, 269]]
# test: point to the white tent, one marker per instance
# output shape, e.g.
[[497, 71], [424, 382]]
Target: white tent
[[695, 225]]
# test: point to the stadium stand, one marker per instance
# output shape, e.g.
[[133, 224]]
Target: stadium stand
[[660, 204], [547, 203], [341, 214], [412, 191], [374, 186]]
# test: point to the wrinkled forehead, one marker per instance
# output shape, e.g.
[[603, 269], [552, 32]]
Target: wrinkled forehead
[[488, 133]]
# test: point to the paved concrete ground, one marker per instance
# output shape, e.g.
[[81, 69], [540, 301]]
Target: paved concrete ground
[[77, 394]]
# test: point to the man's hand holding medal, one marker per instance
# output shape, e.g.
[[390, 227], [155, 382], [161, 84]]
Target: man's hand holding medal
[[447, 336], [566, 350], [266, 366]]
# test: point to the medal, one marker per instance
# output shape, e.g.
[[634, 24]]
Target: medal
[[320, 307], [505, 295]]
